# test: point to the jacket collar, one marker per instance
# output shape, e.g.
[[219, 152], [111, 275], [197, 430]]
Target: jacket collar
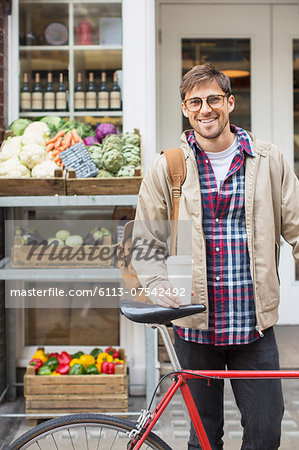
[[261, 148]]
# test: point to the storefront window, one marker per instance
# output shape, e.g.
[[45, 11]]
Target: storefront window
[[296, 113], [232, 56]]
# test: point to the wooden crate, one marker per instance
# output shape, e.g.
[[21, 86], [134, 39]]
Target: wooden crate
[[68, 394], [103, 186], [34, 186], [39, 256]]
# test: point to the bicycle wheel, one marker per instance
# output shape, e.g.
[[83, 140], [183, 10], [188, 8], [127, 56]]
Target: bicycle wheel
[[83, 432]]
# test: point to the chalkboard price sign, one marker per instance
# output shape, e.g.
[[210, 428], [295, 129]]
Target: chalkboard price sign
[[77, 157]]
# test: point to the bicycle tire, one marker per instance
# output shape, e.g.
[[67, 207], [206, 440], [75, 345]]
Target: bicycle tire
[[83, 431]]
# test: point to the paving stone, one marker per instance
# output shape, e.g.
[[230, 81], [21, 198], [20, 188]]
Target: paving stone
[[179, 423], [289, 423], [178, 413], [292, 434], [235, 434], [181, 434]]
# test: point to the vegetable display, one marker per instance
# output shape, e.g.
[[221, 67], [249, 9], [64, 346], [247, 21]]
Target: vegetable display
[[97, 362], [35, 147], [30, 236]]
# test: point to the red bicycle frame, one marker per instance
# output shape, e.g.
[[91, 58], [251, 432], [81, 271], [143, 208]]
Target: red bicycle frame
[[180, 382]]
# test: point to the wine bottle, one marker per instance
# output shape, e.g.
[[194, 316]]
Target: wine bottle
[[91, 94], [115, 100], [49, 95], [103, 94], [37, 95], [25, 95], [61, 95], [79, 97]]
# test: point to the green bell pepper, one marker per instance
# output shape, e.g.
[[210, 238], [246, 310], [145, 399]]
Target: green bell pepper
[[52, 363], [77, 369], [44, 370], [95, 352], [92, 370], [77, 355]]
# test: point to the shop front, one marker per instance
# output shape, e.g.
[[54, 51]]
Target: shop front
[[144, 47]]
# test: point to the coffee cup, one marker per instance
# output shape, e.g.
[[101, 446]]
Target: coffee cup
[[179, 269]]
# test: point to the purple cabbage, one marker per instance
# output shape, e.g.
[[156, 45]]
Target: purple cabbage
[[90, 140], [104, 129]]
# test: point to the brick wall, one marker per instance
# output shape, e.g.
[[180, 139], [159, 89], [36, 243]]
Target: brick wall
[[4, 9]]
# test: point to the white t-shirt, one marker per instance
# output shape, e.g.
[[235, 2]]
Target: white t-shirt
[[221, 161]]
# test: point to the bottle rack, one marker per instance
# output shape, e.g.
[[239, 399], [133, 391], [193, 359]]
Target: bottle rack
[[86, 47]]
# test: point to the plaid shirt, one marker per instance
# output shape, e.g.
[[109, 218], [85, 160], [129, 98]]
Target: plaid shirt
[[232, 317]]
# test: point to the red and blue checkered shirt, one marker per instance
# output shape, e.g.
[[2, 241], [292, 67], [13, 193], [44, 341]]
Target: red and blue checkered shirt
[[232, 318]]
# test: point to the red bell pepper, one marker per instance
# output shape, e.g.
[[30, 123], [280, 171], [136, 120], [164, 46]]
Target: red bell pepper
[[64, 358], [112, 351], [63, 368], [108, 367], [37, 363], [51, 355]]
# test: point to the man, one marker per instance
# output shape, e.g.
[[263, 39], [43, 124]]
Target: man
[[240, 196]]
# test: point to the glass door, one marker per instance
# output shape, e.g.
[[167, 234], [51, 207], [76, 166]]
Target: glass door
[[286, 132], [195, 34]]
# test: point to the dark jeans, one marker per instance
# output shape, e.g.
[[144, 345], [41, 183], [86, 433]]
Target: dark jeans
[[259, 401]]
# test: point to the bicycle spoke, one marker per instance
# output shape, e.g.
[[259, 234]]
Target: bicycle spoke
[[114, 440], [86, 438], [71, 438], [54, 441], [100, 436]]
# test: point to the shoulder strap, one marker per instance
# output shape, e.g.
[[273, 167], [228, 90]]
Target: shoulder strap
[[176, 166]]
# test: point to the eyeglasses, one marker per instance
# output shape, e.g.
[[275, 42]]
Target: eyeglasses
[[214, 101]]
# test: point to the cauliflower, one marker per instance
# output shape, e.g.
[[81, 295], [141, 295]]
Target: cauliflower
[[32, 154], [44, 169], [74, 240], [33, 138], [11, 148], [12, 168], [38, 128]]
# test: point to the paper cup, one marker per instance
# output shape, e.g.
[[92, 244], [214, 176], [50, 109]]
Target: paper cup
[[179, 269]]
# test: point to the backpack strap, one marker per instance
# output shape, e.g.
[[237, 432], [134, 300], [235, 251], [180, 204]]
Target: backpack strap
[[176, 166]]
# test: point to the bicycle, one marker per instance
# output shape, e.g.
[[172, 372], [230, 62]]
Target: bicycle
[[97, 431]]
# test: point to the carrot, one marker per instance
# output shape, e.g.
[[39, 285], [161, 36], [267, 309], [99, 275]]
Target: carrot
[[58, 142], [57, 158], [55, 152], [57, 135], [67, 139], [76, 136], [50, 146]]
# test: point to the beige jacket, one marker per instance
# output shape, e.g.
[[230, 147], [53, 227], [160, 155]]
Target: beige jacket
[[271, 209]]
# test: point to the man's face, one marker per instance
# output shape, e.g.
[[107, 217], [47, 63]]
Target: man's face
[[209, 123]]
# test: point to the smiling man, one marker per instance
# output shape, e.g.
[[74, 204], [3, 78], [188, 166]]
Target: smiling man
[[240, 196]]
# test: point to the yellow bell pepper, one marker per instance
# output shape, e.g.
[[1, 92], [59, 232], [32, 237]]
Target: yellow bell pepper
[[104, 357], [75, 361], [99, 367], [86, 360], [121, 361], [55, 373], [40, 354]]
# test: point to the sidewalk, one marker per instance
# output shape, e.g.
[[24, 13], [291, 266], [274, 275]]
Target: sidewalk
[[174, 424]]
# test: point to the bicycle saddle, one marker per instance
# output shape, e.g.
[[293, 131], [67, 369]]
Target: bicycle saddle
[[151, 313]]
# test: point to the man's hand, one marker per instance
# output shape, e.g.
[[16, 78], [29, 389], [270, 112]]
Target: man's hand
[[165, 296]]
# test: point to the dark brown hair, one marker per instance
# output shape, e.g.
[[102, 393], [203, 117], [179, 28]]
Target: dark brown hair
[[202, 73]]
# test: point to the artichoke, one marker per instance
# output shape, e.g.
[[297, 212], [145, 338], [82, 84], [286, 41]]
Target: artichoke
[[96, 154], [131, 138], [104, 174], [113, 160], [132, 160], [113, 141], [126, 171]]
